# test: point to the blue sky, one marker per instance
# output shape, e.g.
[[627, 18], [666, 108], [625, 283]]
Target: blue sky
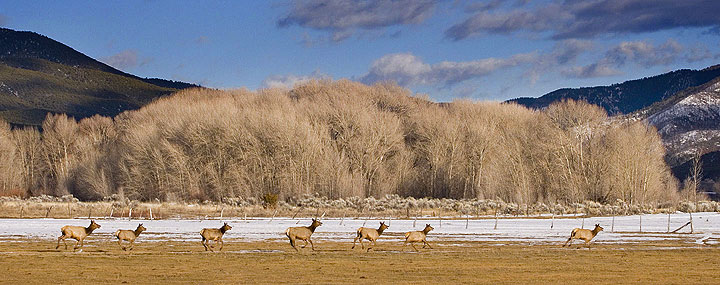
[[484, 50]]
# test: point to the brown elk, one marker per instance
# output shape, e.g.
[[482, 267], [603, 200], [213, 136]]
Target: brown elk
[[369, 234], [583, 234], [129, 235], [302, 233], [418, 236], [214, 235], [76, 232]]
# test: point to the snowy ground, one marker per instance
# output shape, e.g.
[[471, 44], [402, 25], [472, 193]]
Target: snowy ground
[[626, 229]]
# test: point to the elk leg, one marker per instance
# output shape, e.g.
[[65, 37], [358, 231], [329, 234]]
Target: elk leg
[[132, 244], [221, 244], [306, 243], [203, 243], [355, 240], [292, 243], [426, 243], [413, 246], [404, 244], [58, 244], [311, 244], [369, 248]]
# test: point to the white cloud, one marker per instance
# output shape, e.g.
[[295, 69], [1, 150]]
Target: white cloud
[[290, 80], [408, 69]]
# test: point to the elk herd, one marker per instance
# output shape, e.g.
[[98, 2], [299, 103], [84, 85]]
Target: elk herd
[[294, 234]]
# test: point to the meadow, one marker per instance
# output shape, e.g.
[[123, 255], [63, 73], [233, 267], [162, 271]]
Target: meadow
[[527, 250], [333, 262]]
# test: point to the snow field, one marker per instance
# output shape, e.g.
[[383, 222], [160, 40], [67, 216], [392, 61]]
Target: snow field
[[512, 230]]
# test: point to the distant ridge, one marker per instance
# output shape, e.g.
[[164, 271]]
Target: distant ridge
[[629, 96], [25, 44], [39, 75]]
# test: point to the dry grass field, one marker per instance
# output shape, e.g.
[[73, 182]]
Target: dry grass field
[[265, 262]]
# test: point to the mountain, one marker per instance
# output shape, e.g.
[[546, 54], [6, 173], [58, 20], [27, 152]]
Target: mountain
[[629, 96], [689, 124], [39, 75]]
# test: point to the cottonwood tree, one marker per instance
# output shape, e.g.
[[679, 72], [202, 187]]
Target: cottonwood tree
[[60, 148]]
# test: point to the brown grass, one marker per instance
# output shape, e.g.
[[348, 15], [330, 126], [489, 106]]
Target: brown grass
[[255, 262], [28, 209]]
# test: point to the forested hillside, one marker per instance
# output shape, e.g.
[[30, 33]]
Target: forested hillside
[[629, 96]]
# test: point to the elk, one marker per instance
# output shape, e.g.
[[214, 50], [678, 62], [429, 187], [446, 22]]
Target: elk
[[129, 235], [418, 236], [214, 235], [583, 234], [369, 234], [76, 232], [302, 233]]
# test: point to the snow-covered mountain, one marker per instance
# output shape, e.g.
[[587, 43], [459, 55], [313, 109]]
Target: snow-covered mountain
[[689, 122]]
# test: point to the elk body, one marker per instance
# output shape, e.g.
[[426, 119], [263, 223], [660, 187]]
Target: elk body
[[369, 234], [583, 234], [76, 232], [214, 235], [418, 236], [129, 236], [302, 233]]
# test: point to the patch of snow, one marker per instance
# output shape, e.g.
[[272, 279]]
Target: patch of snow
[[521, 230]]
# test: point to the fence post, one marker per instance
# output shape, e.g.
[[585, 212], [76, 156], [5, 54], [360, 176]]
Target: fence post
[[273, 216], [496, 219]]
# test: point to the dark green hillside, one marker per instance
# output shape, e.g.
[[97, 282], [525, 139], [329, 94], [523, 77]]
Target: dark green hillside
[[27, 95], [39, 75]]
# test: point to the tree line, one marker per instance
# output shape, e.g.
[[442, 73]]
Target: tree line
[[338, 139]]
